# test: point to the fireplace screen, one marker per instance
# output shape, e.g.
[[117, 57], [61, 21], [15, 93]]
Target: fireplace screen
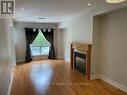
[[80, 62]]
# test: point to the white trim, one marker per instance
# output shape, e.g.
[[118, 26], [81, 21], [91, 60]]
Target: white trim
[[112, 82], [40, 57], [92, 77], [9, 89]]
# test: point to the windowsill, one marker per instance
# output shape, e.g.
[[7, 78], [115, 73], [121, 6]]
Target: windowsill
[[40, 55]]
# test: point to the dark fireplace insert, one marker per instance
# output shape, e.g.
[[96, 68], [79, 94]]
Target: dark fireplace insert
[[80, 62]]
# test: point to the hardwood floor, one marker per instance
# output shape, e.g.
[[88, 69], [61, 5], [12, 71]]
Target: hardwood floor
[[56, 78]]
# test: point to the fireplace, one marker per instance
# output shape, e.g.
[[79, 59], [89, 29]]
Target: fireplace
[[80, 58], [80, 62]]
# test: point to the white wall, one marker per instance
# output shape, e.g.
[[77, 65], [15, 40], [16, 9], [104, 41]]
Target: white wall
[[7, 56], [66, 43], [20, 40], [108, 37], [79, 28], [113, 47], [60, 44], [96, 46]]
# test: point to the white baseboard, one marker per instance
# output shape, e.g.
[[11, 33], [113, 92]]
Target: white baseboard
[[117, 85], [9, 89], [92, 77]]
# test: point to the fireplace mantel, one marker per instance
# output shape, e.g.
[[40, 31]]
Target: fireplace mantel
[[84, 48]]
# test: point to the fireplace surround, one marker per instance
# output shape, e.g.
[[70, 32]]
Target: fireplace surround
[[83, 53]]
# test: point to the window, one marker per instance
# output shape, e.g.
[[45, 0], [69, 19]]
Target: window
[[40, 45]]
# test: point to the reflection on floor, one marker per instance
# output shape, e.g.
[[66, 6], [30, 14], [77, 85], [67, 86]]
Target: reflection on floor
[[41, 76], [56, 78]]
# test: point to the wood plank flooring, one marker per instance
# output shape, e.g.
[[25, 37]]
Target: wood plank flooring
[[56, 78]]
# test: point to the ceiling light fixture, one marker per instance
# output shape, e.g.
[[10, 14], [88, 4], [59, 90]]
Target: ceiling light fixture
[[11, 25], [22, 9], [114, 1], [89, 4], [41, 18]]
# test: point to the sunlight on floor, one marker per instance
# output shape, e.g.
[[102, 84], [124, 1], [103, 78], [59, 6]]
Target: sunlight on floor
[[41, 75]]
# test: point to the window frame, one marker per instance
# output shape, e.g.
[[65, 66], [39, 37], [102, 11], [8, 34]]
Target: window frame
[[40, 50], [40, 47]]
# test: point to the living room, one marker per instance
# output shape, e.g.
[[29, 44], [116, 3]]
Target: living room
[[42, 43]]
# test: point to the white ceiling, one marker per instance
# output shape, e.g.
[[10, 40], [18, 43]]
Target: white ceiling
[[52, 10]]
